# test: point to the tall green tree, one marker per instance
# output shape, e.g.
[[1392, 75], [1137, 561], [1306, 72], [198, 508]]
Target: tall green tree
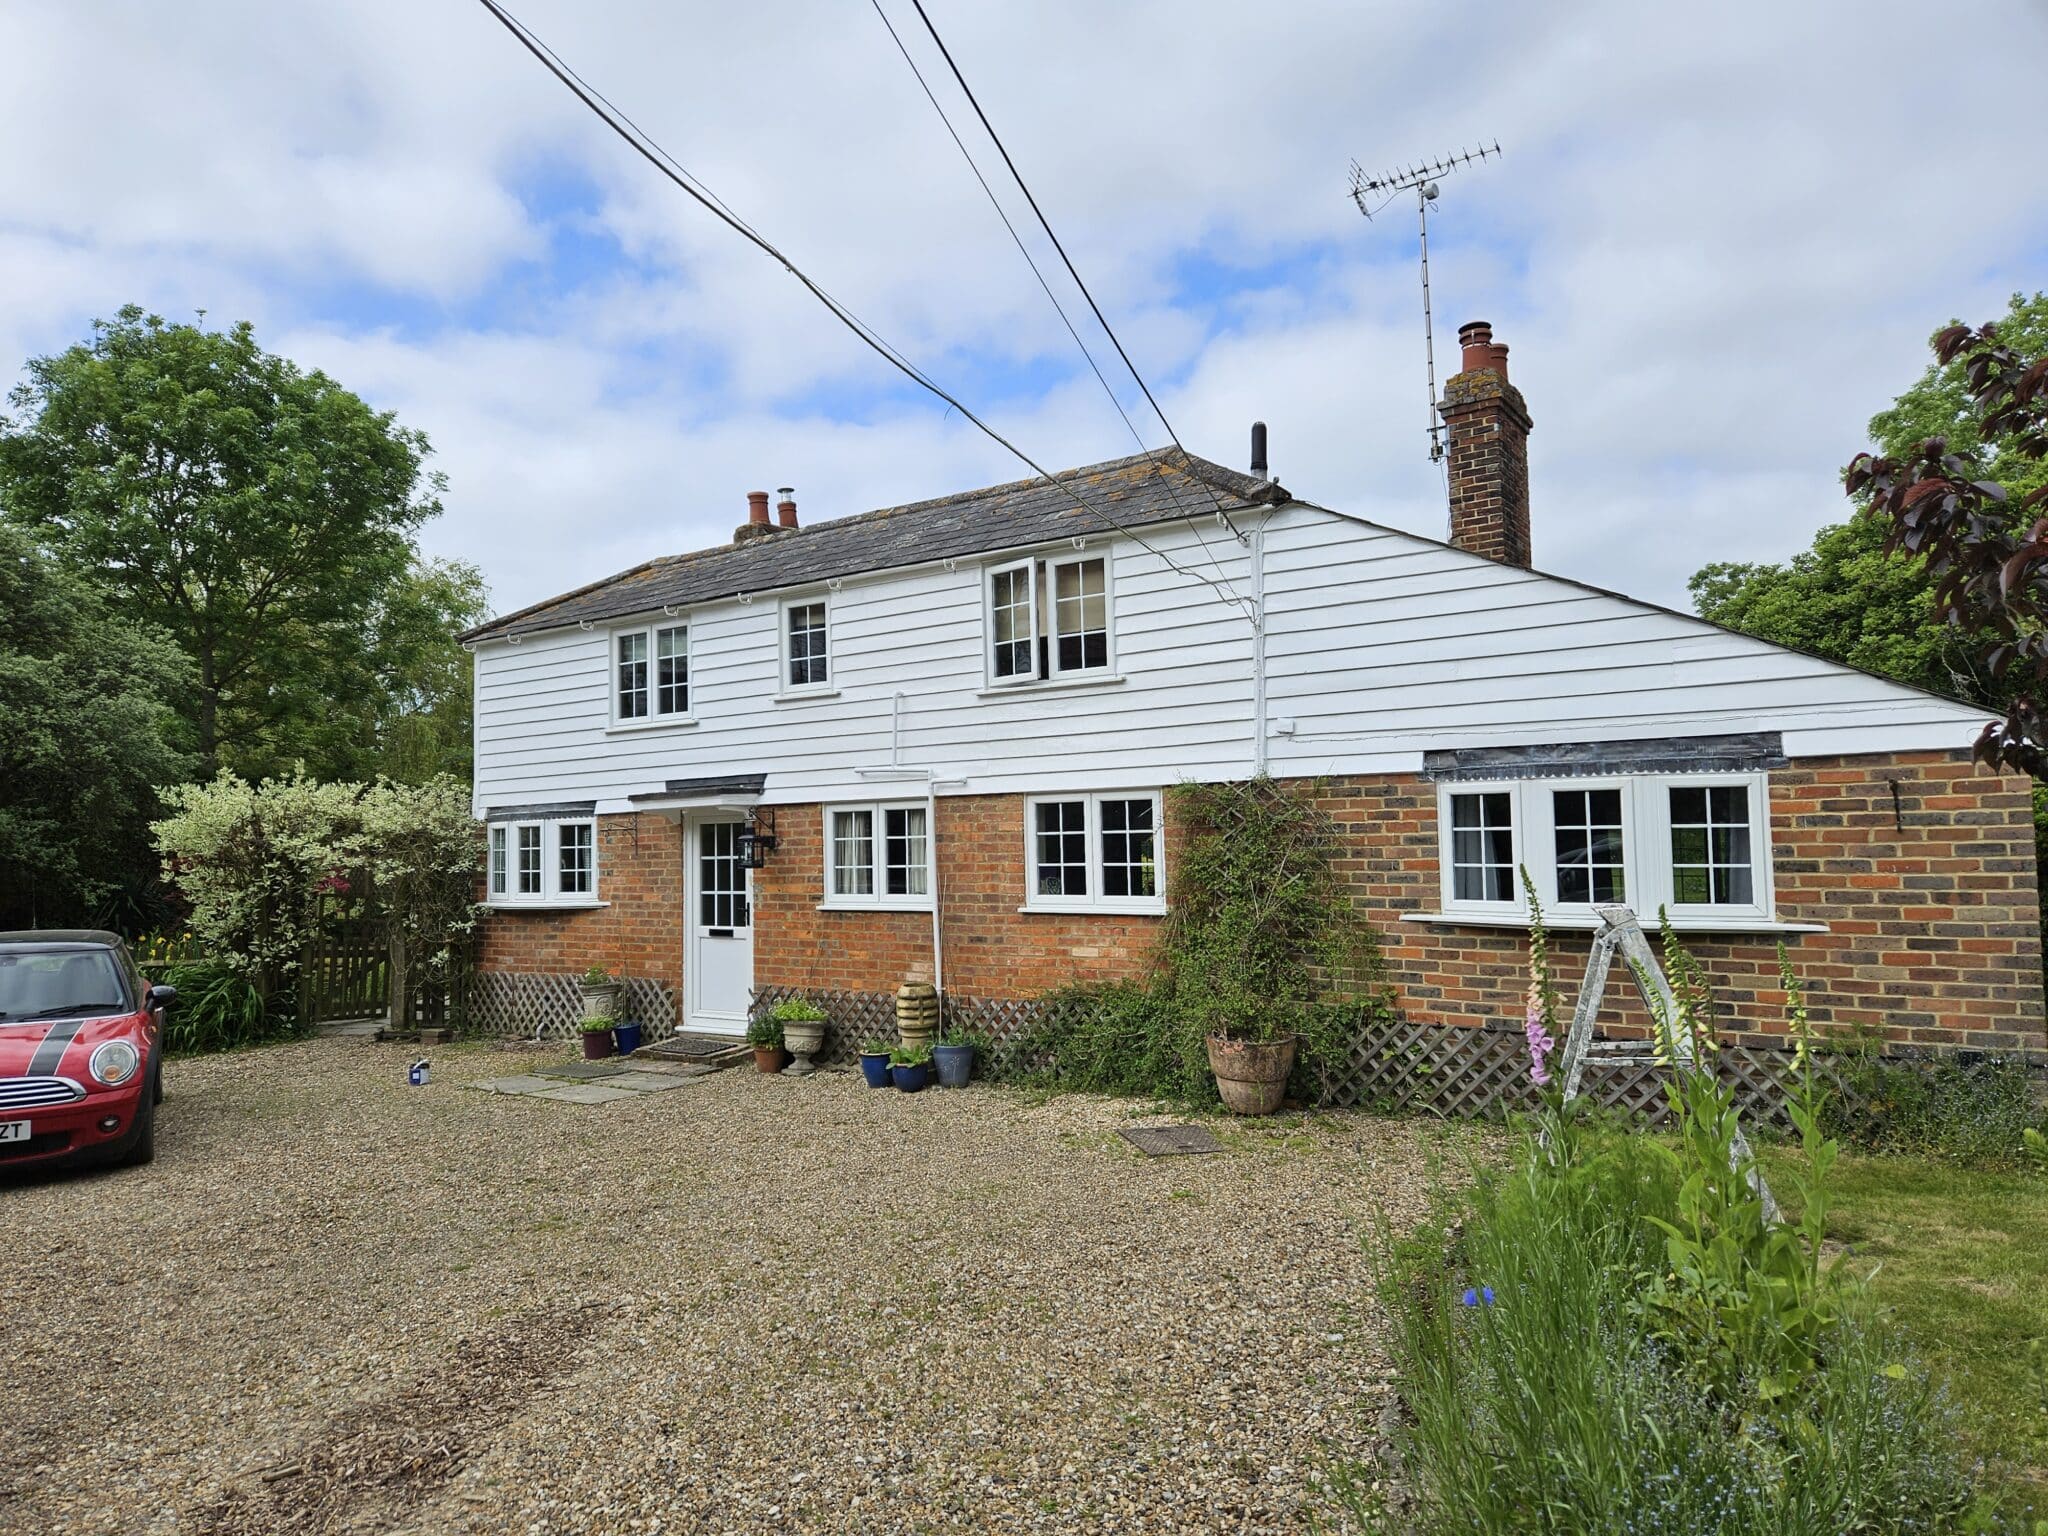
[[88, 739], [261, 515], [1855, 598]]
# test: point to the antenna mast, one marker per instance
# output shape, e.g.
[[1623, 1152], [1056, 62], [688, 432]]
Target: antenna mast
[[1372, 194]]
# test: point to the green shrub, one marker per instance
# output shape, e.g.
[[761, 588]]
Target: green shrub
[[218, 1009], [1975, 1113], [797, 1010], [764, 1032]]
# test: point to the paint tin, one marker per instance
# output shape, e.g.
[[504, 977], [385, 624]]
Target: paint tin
[[417, 1074]]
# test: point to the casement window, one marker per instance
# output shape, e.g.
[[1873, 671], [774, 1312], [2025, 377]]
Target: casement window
[[1094, 853], [878, 855], [542, 863], [1697, 845], [651, 675], [1049, 618], [806, 646]]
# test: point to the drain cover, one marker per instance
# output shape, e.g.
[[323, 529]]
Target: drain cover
[[699, 1048], [1171, 1140]]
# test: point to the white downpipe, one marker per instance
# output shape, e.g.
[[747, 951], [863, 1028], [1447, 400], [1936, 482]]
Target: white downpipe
[[931, 827], [1258, 559]]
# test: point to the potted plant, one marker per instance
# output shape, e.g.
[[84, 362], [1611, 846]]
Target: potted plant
[[874, 1062], [803, 1031], [953, 1056], [1262, 943], [601, 992], [597, 1039], [910, 1068], [628, 1037], [764, 1034]]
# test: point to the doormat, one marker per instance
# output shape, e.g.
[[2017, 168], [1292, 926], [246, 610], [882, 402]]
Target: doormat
[[692, 1048], [582, 1069], [1172, 1140]]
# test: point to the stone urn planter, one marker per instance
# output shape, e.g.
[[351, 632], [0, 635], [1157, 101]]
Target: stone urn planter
[[804, 1038], [1251, 1075], [601, 993]]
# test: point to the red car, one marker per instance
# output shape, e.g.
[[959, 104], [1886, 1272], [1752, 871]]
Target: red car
[[81, 1050]]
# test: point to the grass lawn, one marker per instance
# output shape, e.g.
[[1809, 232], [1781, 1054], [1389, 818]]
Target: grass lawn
[[1962, 1262]]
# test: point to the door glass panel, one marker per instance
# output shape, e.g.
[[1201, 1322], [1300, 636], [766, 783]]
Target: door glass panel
[[721, 880]]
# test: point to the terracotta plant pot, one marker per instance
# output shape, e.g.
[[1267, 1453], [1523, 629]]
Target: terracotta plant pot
[[597, 1044], [1251, 1075], [767, 1058]]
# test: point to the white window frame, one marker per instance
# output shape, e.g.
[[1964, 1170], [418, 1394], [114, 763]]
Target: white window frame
[[502, 879], [655, 718], [1094, 900], [876, 896], [785, 689], [1646, 851], [1043, 568]]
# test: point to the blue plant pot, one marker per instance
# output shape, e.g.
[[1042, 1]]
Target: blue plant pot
[[911, 1079], [874, 1066], [628, 1036], [955, 1064]]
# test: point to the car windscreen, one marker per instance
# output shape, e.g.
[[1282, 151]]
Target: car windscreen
[[60, 984]]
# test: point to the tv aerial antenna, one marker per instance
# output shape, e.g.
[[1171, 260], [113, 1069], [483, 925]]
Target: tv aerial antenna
[[1372, 194]]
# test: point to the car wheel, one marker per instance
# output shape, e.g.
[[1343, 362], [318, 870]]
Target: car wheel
[[143, 1148], [159, 1094]]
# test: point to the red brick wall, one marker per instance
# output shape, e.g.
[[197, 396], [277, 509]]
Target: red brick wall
[[640, 932], [1934, 928], [1932, 912], [991, 948]]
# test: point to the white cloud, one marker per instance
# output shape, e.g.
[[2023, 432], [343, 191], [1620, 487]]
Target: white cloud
[[1716, 243]]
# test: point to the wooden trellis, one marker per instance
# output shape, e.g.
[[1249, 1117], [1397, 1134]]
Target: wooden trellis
[[547, 1005]]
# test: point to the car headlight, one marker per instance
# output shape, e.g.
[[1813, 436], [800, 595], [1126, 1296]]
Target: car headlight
[[115, 1062]]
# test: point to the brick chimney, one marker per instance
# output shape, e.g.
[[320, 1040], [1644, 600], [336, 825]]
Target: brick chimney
[[1486, 424], [757, 525]]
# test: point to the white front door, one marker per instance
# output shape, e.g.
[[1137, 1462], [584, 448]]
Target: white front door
[[718, 962]]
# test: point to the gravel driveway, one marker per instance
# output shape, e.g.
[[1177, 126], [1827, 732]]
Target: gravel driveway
[[337, 1303]]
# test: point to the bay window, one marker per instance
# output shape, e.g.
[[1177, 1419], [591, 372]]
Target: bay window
[[542, 863], [1697, 845]]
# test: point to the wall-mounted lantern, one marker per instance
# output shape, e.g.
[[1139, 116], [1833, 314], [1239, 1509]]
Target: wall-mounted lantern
[[756, 838]]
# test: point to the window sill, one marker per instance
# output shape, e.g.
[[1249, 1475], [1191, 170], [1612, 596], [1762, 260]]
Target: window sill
[[800, 695], [1047, 685], [1097, 909], [875, 906], [567, 904], [657, 723], [1586, 924]]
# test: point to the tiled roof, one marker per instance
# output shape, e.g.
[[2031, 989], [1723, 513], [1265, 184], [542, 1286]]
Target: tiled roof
[[1142, 489]]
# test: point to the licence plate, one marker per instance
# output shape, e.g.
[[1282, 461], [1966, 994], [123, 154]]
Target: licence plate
[[13, 1130]]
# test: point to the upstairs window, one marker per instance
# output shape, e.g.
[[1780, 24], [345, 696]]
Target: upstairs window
[[1049, 618], [1093, 852], [542, 863], [878, 855], [806, 659], [651, 675], [1697, 845]]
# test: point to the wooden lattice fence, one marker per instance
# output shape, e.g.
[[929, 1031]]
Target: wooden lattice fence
[[547, 1005], [1390, 1064]]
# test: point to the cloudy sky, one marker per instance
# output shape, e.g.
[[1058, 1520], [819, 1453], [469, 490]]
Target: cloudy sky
[[1716, 243]]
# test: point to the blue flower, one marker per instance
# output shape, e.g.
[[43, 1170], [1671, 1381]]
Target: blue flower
[[1487, 1292], [1473, 1298], [1470, 1298]]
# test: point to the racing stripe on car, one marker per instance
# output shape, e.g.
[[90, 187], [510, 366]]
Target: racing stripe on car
[[51, 1051]]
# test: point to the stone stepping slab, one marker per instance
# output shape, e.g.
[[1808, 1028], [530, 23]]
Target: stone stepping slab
[[564, 1088]]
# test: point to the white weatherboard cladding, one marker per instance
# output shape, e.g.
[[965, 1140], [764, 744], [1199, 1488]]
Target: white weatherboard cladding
[[1380, 646], [1181, 710]]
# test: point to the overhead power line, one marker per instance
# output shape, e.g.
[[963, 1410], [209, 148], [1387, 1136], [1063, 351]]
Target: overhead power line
[[1059, 308], [644, 145], [1046, 225]]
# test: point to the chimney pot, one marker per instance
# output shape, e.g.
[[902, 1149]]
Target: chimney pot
[[1482, 353], [1259, 449], [785, 506], [757, 508]]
